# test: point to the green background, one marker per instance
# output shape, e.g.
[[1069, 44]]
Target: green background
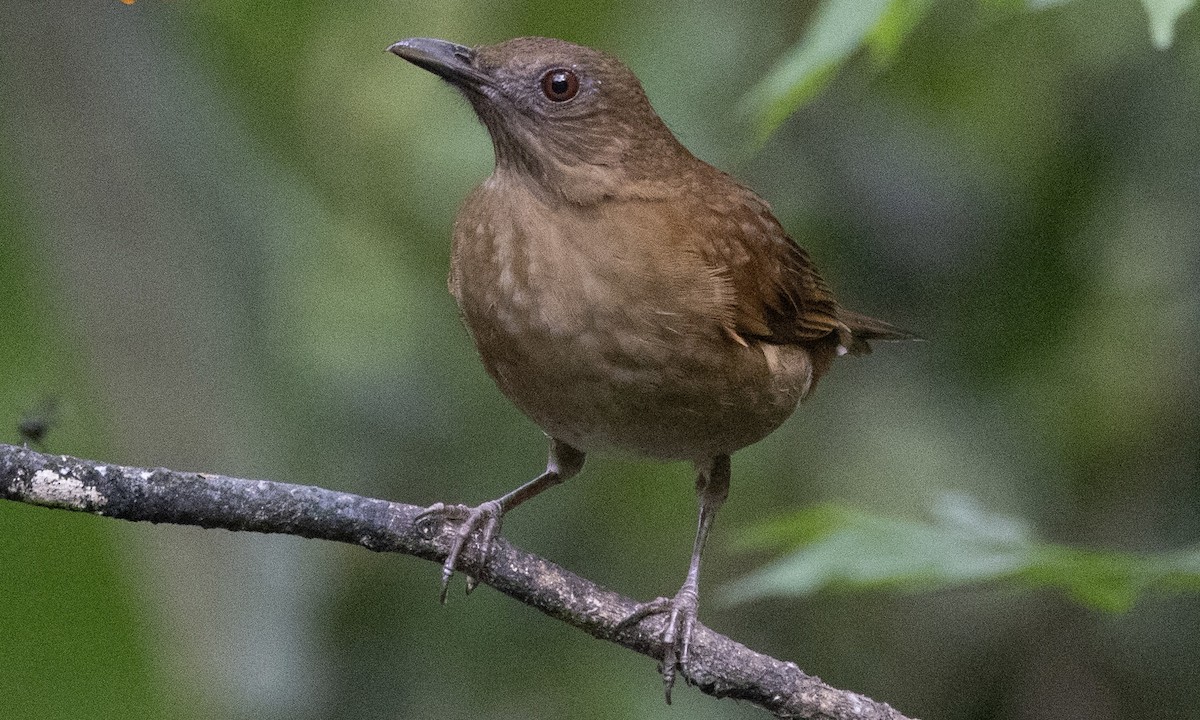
[[224, 230]]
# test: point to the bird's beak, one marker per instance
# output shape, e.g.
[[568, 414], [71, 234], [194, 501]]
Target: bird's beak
[[449, 61]]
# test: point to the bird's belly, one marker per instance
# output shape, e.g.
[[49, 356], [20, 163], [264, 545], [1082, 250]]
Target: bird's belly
[[632, 378]]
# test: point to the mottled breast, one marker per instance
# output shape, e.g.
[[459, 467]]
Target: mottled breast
[[606, 327]]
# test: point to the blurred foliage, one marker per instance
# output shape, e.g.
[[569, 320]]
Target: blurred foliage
[[1163, 16], [832, 546], [841, 27], [838, 29], [223, 242]]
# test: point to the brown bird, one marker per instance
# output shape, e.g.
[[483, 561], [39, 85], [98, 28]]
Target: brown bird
[[622, 293]]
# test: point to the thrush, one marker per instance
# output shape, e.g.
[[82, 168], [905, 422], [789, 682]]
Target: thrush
[[622, 293]]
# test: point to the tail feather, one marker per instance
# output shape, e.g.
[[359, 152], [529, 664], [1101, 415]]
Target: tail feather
[[863, 328]]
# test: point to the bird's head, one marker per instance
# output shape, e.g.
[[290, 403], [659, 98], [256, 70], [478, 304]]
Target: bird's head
[[573, 118]]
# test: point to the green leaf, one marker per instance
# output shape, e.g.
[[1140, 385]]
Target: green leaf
[[838, 30], [1163, 15], [835, 547], [841, 27], [897, 22]]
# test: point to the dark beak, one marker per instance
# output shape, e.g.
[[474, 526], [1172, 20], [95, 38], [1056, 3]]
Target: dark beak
[[449, 61]]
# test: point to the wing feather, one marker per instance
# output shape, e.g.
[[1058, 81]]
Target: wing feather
[[778, 295]]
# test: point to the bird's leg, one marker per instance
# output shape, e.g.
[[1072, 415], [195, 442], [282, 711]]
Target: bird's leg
[[564, 463], [712, 487]]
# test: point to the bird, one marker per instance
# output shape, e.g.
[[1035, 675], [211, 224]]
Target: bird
[[622, 293]]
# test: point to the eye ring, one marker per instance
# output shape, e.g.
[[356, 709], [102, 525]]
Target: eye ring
[[560, 85]]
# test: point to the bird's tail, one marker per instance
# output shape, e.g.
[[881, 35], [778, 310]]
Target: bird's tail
[[863, 328]]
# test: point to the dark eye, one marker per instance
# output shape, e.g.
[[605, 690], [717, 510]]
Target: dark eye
[[560, 85]]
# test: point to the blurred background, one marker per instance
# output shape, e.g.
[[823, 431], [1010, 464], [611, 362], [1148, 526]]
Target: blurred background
[[224, 234]]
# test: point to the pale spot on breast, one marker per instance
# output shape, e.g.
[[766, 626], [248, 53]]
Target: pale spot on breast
[[507, 281]]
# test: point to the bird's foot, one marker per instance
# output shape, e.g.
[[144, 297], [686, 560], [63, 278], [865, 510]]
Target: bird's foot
[[676, 633], [469, 519]]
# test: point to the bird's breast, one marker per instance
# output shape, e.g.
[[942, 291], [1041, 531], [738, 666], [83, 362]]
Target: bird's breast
[[607, 335]]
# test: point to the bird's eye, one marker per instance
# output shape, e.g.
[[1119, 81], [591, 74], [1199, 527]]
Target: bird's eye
[[560, 85]]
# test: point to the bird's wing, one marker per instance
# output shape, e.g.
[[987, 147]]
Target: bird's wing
[[778, 295]]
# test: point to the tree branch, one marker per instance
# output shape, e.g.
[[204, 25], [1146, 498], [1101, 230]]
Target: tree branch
[[718, 666]]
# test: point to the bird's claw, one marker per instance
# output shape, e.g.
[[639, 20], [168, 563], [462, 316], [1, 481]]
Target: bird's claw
[[429, 522], [676, 632], [469, 519]]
